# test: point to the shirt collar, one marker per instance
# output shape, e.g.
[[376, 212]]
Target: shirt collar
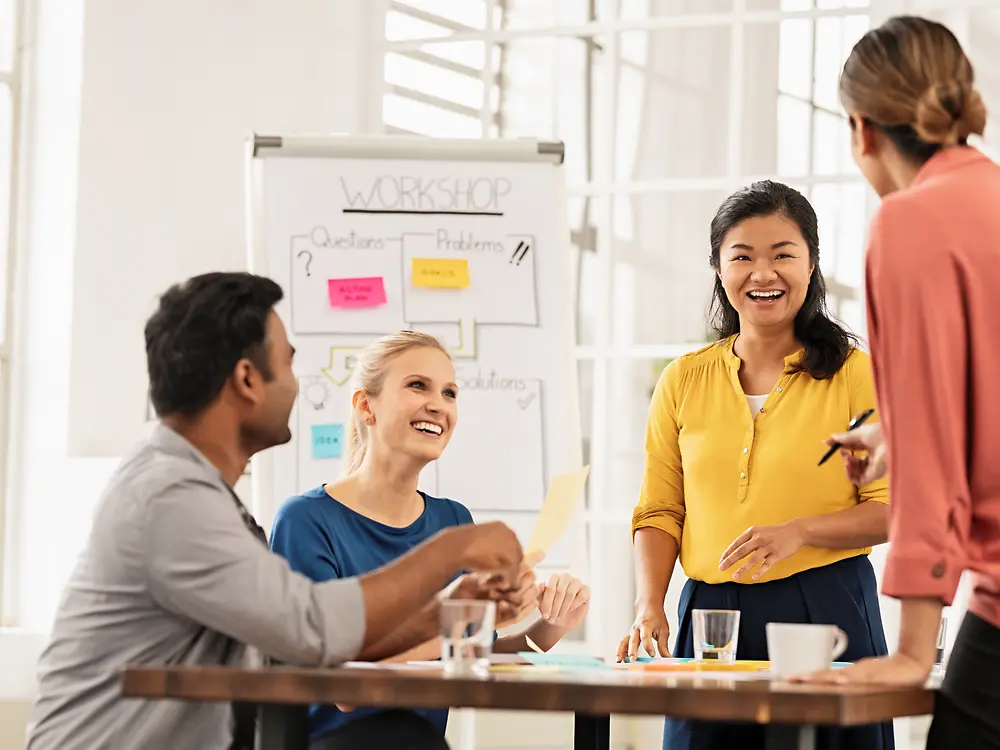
[[175, 444], [733, 361], [948, 159]]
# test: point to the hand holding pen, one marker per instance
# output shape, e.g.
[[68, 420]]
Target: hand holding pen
[[861, 470], [835, 441]]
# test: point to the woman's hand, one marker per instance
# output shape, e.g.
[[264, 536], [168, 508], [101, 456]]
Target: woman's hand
[[564, 601], [650, 626], [867, 439], [898, 669], [764, 546]]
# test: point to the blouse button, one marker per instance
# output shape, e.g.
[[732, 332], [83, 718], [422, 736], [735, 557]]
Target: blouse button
[[778, 389], [762, 410], [745, 450], [743, 475], [938, 570]]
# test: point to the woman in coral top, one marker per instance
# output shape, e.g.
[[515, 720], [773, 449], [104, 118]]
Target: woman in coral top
[[933, 281]]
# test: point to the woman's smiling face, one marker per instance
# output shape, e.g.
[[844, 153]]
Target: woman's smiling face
[[765, 270]]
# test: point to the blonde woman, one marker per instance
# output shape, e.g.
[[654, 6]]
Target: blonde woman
[[404, 410]]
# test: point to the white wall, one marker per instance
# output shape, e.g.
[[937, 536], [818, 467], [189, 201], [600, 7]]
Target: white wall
[[171, 90], [137, 115]]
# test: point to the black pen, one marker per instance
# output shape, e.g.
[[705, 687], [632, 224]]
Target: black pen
[[855, 423]]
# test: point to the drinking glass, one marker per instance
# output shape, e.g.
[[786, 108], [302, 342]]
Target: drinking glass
[[716, 632], [467, 636]]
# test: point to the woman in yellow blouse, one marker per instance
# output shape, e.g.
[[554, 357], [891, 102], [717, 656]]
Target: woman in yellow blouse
[[731, 480]]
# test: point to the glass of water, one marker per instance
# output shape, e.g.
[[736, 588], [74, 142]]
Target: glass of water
[[716, 632], [467, 636]]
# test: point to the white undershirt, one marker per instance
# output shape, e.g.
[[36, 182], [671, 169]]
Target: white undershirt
[[756, 404]]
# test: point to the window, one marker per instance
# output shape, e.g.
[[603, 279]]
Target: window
[[10, 91], [665, 107], [814, 141]]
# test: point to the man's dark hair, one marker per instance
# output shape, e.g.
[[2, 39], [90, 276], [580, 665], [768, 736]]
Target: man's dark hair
[[202, 328]]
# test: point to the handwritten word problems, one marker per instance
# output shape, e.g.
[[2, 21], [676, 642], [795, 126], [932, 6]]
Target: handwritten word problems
[[410, 194], [466, 242]]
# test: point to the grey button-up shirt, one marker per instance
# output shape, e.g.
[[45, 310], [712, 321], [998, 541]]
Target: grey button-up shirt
[[171, 575]]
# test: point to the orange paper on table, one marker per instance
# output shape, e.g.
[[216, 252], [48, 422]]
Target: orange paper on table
[[443, 273]]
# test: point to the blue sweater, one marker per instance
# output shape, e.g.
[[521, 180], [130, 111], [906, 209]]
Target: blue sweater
[[323, 539]]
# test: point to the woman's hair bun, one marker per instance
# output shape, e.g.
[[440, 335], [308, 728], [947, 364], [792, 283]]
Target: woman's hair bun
[[949, 112]]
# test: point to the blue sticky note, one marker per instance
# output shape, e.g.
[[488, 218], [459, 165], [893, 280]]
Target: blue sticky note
[[326, 440], [567, 661]]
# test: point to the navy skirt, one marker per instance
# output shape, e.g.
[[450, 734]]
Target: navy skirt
[[844, 594]]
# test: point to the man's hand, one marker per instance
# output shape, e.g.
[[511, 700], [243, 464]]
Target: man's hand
[[490, 548], [763, 545], [519, 604], [867, 439], [512, 604]]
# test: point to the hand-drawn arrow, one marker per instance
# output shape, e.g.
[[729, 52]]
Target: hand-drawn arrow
[[466, 339], [342, 361]]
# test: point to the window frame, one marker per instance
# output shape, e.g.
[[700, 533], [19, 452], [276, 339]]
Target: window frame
[[13, 79], [599, 194]]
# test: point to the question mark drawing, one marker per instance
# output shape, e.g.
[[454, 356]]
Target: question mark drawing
[[308, 260]]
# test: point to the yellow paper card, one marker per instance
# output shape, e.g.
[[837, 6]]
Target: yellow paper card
[[446, 273], [560, 502]]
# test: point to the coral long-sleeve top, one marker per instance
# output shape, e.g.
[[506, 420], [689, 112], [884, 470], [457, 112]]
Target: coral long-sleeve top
[[933, 290]]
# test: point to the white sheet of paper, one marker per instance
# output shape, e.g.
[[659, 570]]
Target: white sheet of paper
[[560, 502]]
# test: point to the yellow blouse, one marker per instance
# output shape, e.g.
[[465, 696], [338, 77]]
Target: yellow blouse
[[713, 469]]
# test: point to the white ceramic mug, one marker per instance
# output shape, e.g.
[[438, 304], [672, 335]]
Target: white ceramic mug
[[799, 648]]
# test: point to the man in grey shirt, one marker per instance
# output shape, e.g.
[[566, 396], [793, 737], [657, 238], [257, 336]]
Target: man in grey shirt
[[175, 571]]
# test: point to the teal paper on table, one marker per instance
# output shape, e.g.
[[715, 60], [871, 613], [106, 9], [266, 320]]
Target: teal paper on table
[[571, 661], [326, 440]]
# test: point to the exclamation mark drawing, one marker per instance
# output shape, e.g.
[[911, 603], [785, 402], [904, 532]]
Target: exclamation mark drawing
[[519, 258]]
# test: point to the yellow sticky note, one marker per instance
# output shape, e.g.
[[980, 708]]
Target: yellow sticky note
[[560, 501], [447, 273]]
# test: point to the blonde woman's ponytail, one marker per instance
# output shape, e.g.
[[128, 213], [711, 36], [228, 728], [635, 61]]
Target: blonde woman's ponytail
[[356, 445]]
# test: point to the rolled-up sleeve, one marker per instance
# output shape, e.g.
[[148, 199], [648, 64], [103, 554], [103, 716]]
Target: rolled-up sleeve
[[918, 332], [204, 564], [862, 395], [661, 499]]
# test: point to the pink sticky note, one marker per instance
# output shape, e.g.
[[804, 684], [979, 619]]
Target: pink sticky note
[[366, 292]]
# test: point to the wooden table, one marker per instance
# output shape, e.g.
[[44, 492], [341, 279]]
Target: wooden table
[[789, 712]]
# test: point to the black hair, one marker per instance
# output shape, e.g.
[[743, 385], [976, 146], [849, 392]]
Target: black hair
[[827, 343], [199, 332]]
